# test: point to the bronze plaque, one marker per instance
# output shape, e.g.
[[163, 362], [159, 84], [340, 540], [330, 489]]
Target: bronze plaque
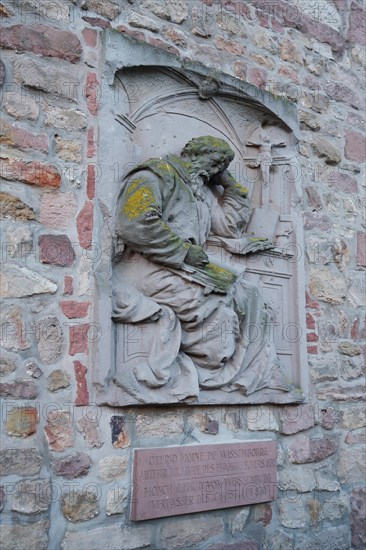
[[181, 480]]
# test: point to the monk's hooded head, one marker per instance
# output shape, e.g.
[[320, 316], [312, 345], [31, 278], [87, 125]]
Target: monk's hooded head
[[208, 154]]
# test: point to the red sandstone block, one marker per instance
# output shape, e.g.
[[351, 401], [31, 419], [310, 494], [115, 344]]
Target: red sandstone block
[[157, 43], [312, 350], [90, 36], [84, 225], [82, 394], [90, 182], [229, 46], [357, 24], [91, 92], [74, 310], [354, 329], [32, 173], [42, 40], [68, 285], [78, 339], [14, 136], [56, 250], [355, 147], [310, 302], [90, 143], [97, 22], [310, 322], [131, 32], [343, 182], [361, 248], [258, 77], [312, 337]]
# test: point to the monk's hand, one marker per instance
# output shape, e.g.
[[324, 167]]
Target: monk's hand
[[223, 178], [196, 256]]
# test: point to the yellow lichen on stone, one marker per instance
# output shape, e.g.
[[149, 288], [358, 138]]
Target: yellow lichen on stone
[[138, 203]]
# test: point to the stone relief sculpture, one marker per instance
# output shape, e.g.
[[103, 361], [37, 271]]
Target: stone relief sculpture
[[193, 307], [204, 326]]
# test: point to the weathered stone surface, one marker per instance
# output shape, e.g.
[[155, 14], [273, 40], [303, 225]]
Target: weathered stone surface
[[292, 514], [97, 22], [43, 76], [327, 286], [340, 393], [21, 421], [361, 249], [49, 339], [89, 428], [317, 220], [350, 369], [13, 207], [56, 250], [357, 290], [79, 505], [314, 508], [57, 210], [327, 150], [58, 379], [72, 466], [349, 348], [341, 92], [174, 10], [17, 282], [20, 462], [190, 533], [68, 150], [42, 40], [64, 118], [31, 496], [82, 394], [7, 365], [56, 10], [142, 22], [160, 425], [58, 430], [262, 418], [324, 373], [127, 538], [334, 508], [116, 499], [19, 389], [296, 480], [84, 224], [326, 539], [105, 8], [358, 517], [33, 369], [246, 544], [12, 332], [25, 537], [32, 173], [281, 540], [352, 465], [231, 24], [310, 120], [20, 105], [303, 449], [340, 254], [238, 522], [355, 147], [119, 433], [112, 467], [74, 310], [19, 241], [20, 138], [296, 419]]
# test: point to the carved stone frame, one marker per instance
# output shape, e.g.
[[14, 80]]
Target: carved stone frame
[[117, 154]]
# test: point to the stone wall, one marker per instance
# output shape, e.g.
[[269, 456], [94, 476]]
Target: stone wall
[[67, 463]]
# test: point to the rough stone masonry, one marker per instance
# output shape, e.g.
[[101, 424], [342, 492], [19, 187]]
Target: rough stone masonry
[[66, 463]]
